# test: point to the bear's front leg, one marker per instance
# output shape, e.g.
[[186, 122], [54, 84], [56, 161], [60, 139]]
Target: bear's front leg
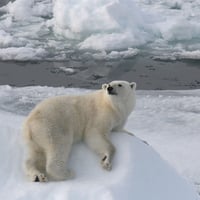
[[100, 144], [107, 158]]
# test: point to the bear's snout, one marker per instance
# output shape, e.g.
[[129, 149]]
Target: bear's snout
[[110, 88]]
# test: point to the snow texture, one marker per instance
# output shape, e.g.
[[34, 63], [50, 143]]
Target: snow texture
[[167, 120]]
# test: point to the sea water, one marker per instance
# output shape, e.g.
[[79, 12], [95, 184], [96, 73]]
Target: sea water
[[106, 29]]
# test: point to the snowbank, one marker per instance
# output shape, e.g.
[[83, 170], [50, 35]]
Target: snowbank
[[138, 172], [21, 53]]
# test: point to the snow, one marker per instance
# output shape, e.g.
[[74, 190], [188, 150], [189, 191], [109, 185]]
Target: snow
[[167, 120], [21, 53], [67, 69], [193, 55], [89, 26], [116, 54]]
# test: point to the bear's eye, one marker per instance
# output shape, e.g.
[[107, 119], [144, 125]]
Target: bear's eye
[[119, 85]]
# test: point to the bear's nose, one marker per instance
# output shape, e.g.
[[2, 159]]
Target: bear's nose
[[109, 88]]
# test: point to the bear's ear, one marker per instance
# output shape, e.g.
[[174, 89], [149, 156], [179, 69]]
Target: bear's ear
[[104, 86], [133, 85]]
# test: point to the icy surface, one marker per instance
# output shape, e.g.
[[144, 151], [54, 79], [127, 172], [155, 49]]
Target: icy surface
[[169, 121], [59, 29]]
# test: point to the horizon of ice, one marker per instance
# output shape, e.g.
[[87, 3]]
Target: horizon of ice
[[62, 29], [136, 165]]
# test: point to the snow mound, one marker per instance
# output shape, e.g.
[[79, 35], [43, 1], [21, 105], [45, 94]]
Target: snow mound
[[138, 171]]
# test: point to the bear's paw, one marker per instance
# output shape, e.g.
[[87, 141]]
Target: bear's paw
[[106, 164], [39, 178]]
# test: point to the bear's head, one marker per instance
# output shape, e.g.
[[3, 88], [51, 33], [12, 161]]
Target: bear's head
[[121, 93]]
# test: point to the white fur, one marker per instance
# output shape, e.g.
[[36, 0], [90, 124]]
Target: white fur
[[56, 123]]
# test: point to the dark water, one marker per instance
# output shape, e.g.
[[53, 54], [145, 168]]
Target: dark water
[[148, 73]]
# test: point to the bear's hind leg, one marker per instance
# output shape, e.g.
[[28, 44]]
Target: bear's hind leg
[[57, 156], [35, 166]]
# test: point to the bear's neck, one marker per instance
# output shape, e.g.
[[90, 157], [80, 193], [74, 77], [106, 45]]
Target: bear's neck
[[122, 109]]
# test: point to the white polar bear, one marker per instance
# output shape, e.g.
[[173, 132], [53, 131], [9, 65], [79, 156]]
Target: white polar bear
[[56, 123]]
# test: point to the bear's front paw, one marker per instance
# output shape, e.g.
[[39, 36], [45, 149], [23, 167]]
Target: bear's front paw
[[106, 164], [39, 178]]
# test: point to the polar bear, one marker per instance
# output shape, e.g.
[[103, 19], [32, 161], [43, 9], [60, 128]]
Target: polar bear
[[55, 124]]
